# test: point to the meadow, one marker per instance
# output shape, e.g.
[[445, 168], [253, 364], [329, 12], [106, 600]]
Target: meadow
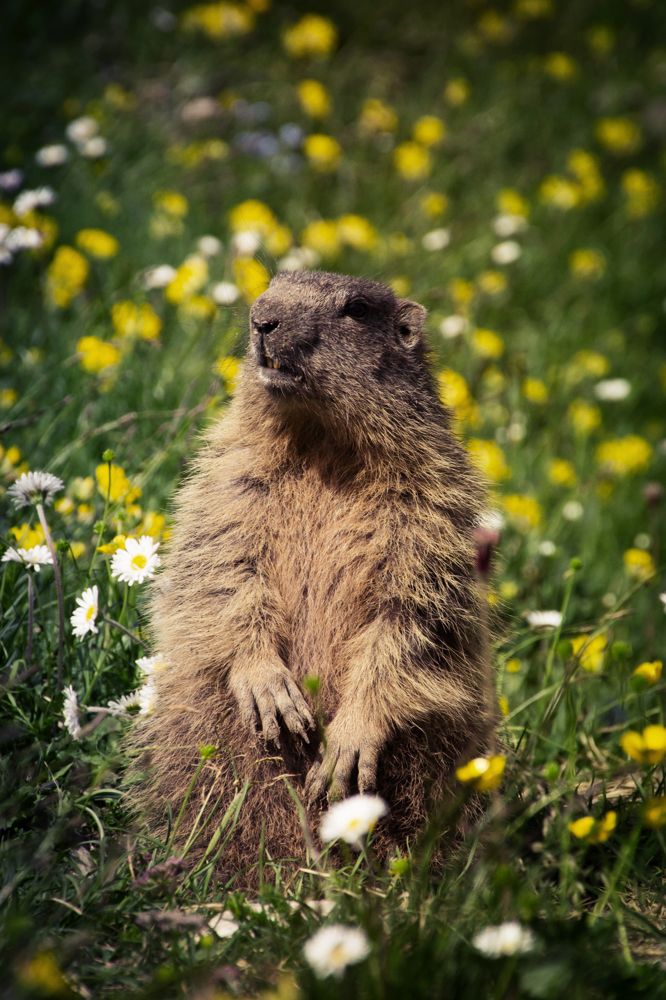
[[505, 165]]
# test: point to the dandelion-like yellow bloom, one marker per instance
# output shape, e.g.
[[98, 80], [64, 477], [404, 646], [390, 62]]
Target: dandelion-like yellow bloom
[[585, 417], [587, 364], [132, 320], [313, 36], [357, 232], [513, 666], [585, 168], [454, 393], [377, 117], [648, 747], [561, 472], [278, 240], [532, 10], [228, 368], [560, 66], [26, 536], [492, 282], [429, 130], [198, 307], [595, 831], [511, 202], [639, 564], [524, 511], [323, 236], [484, 774], [560, 192], [66, 275], [588, 264], [412, 161], [620, 136], [252, 215], [535, 390], [487, 343], [112, 482], [489, 458], [642, 193], [97, 355], [251, 278], [456, 92], [654, 812], [433, 204], [590, 651], [323, 151], [495, 28], [650, 671], [219, 20], [314, 98], [171, 203], [624, 456], [7, 398], [97, 243], [188, 279], [601, 39]]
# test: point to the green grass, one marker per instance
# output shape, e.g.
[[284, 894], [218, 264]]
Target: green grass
[[86, 911]]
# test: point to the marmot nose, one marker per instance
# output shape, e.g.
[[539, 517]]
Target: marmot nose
[[267, 326]]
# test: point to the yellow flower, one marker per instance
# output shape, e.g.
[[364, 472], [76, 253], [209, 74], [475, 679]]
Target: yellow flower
[[588, 264], [97, 243], [228, 368], [171, 203], [314, 98], [357, 232], [535, 391], [487, 344], [494, 27], [503, 705], [7, 398], [198, 307], [642, 193], [252, 215], [400, 284], [323, 151], [456, 92], [601, 39], [412, 161], [559, 66], [624, 456], [513, 666], [483, 774], [188, 279], [322, 235], [561, 472], [492, 282], [107, 204], [96, 355], [41, 975], [532, 10], [648, 747], [585, 168], [590, 651], [461, 291], [251, 278], [108, 548], [649, 671], [560, 192], [595, 831], [508, 591], [620, 136], [26, 537], [66, 275], [64, 506], [511, 202], [585, 417], [588, 363], [523, 511], [454, 392], [433, 204], [112, 482], [489, 458], [654, 812], [77, 549], [639, 564], [377, 117], [278, 240], [131, 320], [429, 130], [152, 524], [219, 20], [311, 36]]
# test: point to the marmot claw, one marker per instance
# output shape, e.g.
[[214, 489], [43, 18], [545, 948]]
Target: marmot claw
[[336, 769], [265, 696]]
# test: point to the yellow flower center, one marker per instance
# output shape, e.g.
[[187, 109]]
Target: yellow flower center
[[90, 613], [138, 561]]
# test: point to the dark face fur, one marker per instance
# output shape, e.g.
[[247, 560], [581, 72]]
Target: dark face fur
[[315, 336]]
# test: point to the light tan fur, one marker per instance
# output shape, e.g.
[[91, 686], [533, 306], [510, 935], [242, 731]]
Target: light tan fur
[[326, 531]]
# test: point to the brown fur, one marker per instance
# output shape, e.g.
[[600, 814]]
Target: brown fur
[[326, 529]]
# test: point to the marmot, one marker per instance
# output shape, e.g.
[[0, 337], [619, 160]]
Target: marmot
[[327, 529]]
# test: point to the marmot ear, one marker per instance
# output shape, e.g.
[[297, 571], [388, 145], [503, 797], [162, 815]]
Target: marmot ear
[[410, 318]]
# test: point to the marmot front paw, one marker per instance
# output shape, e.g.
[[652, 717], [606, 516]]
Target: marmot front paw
[[344, 756], [264, 694]]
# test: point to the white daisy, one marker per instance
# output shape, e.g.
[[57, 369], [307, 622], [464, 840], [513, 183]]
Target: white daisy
[[436, 239], [137, 561], [119, 706], [245, 243], [33, 558], [81, 129], [150, 665], [225, 293], [333, 948], [158, 276], [83, 617], [506, 252], [147, 696], [34, 487], [209, 246], [612, 390], [509, 938], [298, 259], [23, 238], [52, 156], [573, 510], [352, 819], [547, 548], [223, 924], [544, 619], [508, 225], [452, 326], [28, 201], [70, 713], [93, 148]]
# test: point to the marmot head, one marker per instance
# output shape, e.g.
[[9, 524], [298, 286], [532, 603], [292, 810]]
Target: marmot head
[[317, 337]]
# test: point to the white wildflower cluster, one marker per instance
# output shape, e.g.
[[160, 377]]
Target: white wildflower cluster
[[453, 326], [14, 239], [544, 619], [71, 713], [352, 819], [34, 557], [298, 259], [333, 948], [436, 239], [34, 487], [84, 134], [502, 940]]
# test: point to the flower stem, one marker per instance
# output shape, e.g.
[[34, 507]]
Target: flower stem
[[31, 620], [59, 592]]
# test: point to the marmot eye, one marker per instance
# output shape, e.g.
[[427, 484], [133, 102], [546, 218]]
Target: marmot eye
[[357, 309]]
